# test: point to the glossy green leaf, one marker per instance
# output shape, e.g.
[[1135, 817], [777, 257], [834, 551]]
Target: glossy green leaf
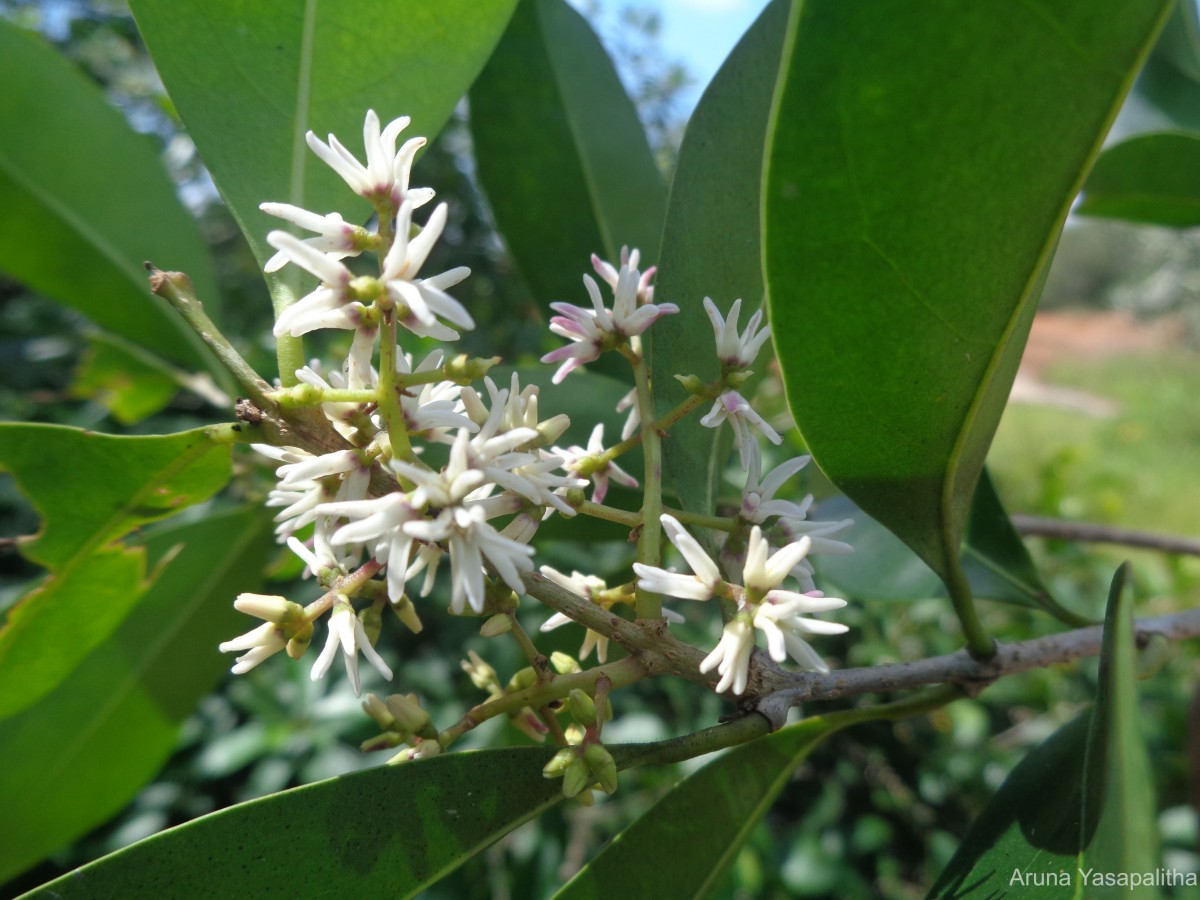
[[384, 832], [130, 385], [81, 752], [911, 213], [90, 490], [710, 242], [997, 563], [687, 841], [562, 155], [86, 201], [1083, 800], [250, 78], [1152, 178]]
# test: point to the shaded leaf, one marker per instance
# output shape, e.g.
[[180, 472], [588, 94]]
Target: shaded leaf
[[249, 79], [80, 754], [1083, 800], [77, 226], [384, 832], [911, 212], [115, 484], [1152, 178], [561, 153], [710, 243], [703, 821], [997, 563]]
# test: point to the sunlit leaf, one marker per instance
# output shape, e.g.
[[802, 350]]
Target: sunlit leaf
[[130, 385], [684, 844], [561, 152], [1152, 178], [911, 212], [250, 78], [384, 832], [1082, 802], [710, 242], [86, 201], [90, 490], [82, 751]]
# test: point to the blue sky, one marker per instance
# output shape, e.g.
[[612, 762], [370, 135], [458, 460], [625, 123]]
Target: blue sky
[[698, 33]]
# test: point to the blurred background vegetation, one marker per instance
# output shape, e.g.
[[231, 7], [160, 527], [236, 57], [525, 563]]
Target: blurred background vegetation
[[1102, 428]]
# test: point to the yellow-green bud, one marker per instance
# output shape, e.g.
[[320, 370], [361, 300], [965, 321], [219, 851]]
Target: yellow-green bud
[[602, 766], [737, 379], [564, 663], [559, 762], [482, 675], [525, 678], [583, 707], [406, 611], [553, 428], [410, 717], [467, 369], [691, 383], [576, 777], [300, 640], [499, 624], [377, 710]]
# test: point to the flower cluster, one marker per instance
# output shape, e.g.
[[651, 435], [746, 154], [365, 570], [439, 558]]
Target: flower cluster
[[422, 460]]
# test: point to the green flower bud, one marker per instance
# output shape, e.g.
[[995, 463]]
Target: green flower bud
[[691, 383], [499, 624], [406, 612], [602, 766], [410, 717], [525, 678], [300, 640], [583, 707], [481, 674], [564, 663], [559, 762], [576, 777]]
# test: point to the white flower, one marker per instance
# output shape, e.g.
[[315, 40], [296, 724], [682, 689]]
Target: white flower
[[346, 631], [700, 586], [332, 304], [588, 586], [597, 329], [335, 236], [732, 407], [385, 177], [576, 459], [634, 419], [733, 350], [267, 639], [611, 275], [779, 620], [426, 299], [379, 521], [731, 656], [432, 408], [758, 499], [472, 540]]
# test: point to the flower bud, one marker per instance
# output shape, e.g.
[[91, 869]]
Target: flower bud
[[269, 607], [602, 766], [691, 383], [583, 707], [481, 674], [559, 762], [576, 777], [300, 640], [410, 717], [377, 710], [564, 663], [499, 624], [525, 678], [406, 612], [466, 369], [553, 428]]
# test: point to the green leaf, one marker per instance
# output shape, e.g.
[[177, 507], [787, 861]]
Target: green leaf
[[1152, 178], [250, 78], [710, 242], [910, 215], [561, 153], [997, 563], [90, 490], [703, 821], [1083, 800], [384, 832], [86, 201], [131, 385], [80, 753]]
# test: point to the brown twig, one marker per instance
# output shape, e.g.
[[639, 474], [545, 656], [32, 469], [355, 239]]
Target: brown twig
[[1087, 532]]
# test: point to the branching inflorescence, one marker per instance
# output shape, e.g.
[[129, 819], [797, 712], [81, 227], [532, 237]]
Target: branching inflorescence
[[374, 518]]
